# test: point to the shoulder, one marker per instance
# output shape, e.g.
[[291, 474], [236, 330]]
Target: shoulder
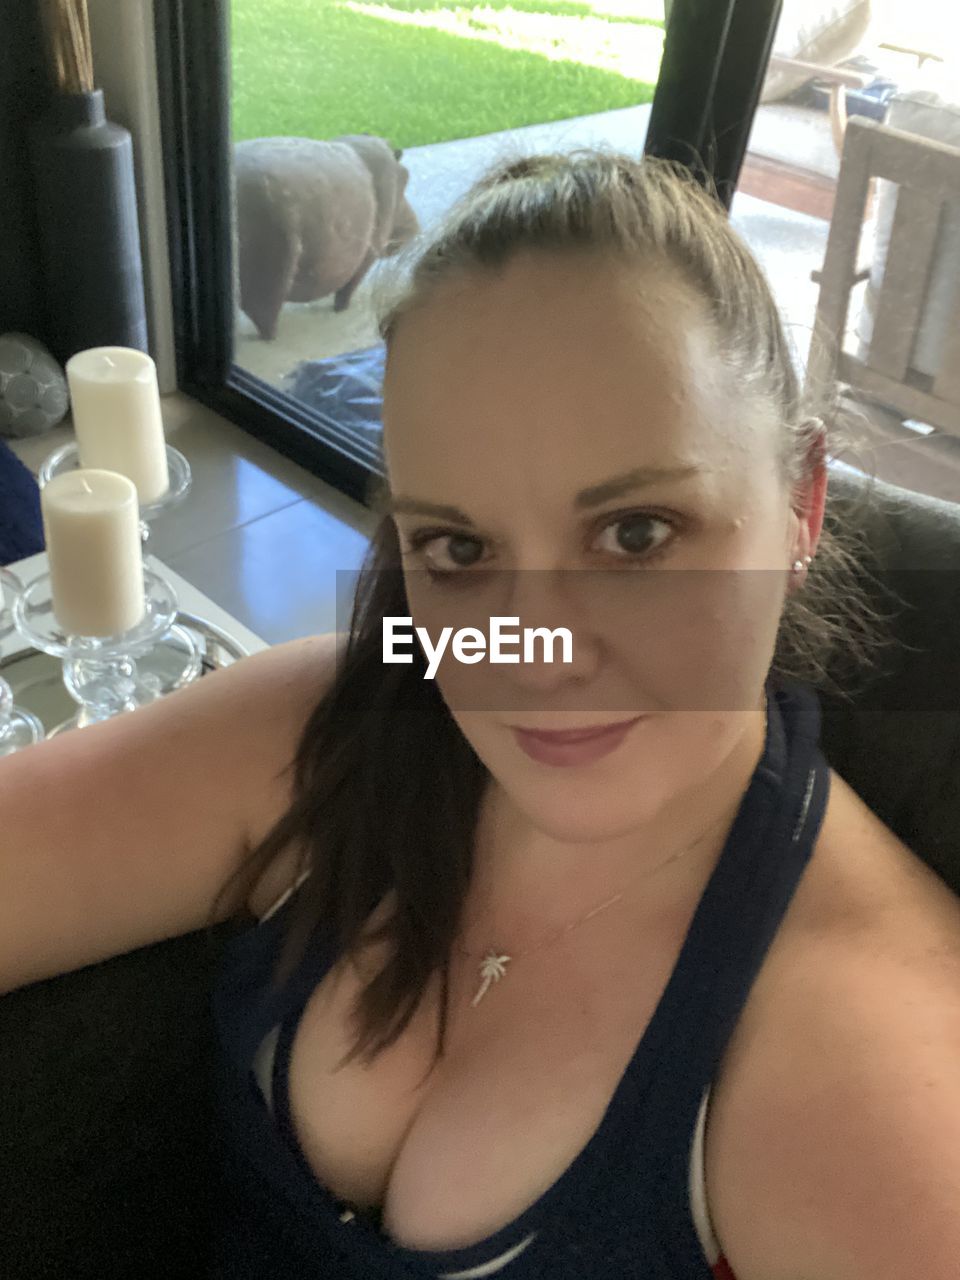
[[833, 1146]]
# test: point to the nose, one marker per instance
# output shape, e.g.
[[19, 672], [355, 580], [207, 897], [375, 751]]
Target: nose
[[540, 605], [546, 601]]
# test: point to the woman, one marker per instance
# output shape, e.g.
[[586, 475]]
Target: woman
[[657, 1004]]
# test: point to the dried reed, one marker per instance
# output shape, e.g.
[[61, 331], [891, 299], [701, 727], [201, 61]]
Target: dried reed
[[67, 25]]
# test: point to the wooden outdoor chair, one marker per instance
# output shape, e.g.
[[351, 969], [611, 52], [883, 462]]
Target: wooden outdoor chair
[[926, 174]]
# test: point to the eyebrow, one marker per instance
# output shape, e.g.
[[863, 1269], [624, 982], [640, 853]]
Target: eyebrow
[[593, 496]]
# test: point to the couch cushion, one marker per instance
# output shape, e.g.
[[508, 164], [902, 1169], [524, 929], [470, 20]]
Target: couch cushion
[[898, 743], [21, 528], [106, 1158]]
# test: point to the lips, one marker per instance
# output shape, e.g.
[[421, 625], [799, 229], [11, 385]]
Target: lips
[[574, 735], [566, 747]]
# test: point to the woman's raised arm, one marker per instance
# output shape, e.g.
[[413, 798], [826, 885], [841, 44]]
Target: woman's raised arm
[[120, 834]]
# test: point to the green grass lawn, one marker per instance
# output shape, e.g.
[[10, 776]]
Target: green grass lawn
[[420, 71]]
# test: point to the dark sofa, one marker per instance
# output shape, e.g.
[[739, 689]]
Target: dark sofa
[[107, 1164]]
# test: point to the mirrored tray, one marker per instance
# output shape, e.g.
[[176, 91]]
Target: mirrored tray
[[36, 678]]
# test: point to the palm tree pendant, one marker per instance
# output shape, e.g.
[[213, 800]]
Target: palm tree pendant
[[492, 969]]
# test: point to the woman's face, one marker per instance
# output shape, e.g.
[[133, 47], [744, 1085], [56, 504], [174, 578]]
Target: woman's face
[[539, 405]]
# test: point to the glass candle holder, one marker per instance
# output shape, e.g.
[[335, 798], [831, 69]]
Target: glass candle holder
[[67, 458], [19, 728], [107, 675], [10, 588]]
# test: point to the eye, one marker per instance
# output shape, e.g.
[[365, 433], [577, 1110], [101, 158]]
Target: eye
[[629, 537], [461, 551]]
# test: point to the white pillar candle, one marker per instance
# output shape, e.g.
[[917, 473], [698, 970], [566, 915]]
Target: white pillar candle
[[91, 521], [116, 416]]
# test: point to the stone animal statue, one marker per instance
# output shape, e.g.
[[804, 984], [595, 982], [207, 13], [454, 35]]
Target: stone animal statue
[[312, 218]]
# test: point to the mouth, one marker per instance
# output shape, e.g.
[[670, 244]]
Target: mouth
[[566, 747], [575, 735]]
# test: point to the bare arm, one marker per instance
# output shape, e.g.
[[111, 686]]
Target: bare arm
[[122, 833]]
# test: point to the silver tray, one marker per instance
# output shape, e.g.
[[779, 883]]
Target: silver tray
[[36, 678]]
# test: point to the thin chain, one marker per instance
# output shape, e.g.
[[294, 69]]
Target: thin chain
[[493, 965], [529, 951]]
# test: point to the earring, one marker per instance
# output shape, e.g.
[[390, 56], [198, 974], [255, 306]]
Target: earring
[[800, 565]]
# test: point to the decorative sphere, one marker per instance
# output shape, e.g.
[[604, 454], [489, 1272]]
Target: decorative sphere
[[33, 388]]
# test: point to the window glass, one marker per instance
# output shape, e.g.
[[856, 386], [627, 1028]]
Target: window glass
[[356, 122]]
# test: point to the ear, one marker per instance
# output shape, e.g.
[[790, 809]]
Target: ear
[[815, 488], [397, 152]]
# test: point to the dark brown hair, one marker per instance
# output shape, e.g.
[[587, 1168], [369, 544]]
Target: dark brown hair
[[386, 788]]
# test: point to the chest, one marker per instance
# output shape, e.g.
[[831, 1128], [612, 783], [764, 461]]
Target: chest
[[454, 1151]]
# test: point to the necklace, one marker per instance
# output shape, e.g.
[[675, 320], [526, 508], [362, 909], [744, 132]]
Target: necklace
[[494, 962]]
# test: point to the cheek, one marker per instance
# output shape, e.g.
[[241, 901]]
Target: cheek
[[692, 639]]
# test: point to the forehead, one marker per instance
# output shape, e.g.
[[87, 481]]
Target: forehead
[[553, 371]]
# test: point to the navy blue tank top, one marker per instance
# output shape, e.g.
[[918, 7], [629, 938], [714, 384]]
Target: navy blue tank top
[[622, 1208]]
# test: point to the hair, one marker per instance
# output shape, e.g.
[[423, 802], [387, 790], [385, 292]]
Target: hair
[[386, 787]]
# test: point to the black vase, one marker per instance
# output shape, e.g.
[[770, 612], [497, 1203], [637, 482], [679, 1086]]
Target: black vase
[[90, 238]]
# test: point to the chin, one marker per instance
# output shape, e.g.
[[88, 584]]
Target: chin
[[582, 809], [578, 824]]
